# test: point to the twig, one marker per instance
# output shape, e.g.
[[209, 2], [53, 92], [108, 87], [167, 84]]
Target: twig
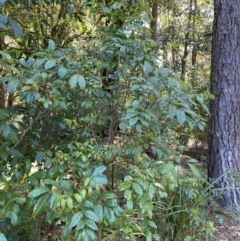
[[25, 132]]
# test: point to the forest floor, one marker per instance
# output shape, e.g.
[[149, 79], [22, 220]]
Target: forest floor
[[226, 231], [226, 223]]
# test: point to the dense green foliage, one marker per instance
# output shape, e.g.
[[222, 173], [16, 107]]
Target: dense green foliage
[[92, 143]]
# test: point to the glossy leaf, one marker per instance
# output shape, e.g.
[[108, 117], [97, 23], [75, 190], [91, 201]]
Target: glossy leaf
[[76, 218], [91, 215], [40, 204], [38, 191], [98, 210]]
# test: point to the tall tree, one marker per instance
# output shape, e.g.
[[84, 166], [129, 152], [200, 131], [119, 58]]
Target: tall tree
[[224, 132]]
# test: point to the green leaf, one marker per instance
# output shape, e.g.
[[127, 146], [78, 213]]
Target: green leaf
[[137, 188], [76, 219], [135, 87], [98, 210], [2, 237], [109, 215], [91, 215], [38, 157], [148, 235], [51, 182], [111, 203], [201, 126], [99, 170], [100, 179], [62, 72], [152, 224], [70, 204], [16, 28], [128, 194], [151, 191], [81, 82], [12, 85], [3, 19], [40, 204], [181, 117], [14, 218], [172, 110], [90, 233], [54, 197], [77, 79], [49, 64], [124, 185], [129, 204], [38, 191], [91, 224], [194, 170], [51, 45], [5, 55], [133, 121], [147, 66], [107, 195]]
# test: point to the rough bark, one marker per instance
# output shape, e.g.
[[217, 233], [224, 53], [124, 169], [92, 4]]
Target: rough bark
[[224, 132]]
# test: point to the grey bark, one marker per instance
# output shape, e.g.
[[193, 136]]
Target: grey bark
[[224, 131]]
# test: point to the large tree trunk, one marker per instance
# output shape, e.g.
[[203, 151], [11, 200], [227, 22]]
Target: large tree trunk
[[224, 132]]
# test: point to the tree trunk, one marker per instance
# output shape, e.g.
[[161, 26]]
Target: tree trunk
[[224, 132], [5, 97], [186, 43], [154, 22]]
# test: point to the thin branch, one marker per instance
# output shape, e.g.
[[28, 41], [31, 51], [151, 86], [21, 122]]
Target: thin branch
[[25, 132]]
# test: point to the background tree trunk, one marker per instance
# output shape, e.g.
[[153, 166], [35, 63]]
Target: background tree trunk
[[224, 132], [154, 22], [5, 97]]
